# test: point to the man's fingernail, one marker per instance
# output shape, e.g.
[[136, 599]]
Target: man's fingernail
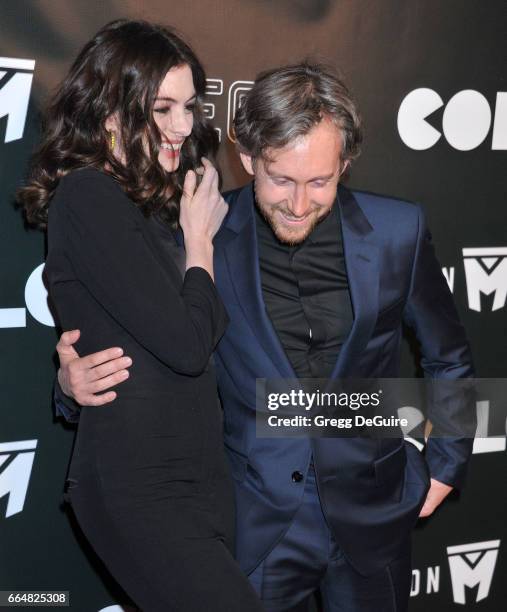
[[127, 361], [118, 352]]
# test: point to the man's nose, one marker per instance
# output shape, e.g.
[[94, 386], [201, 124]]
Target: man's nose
[[300, 202]]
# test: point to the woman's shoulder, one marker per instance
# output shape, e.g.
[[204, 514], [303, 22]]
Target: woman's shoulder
[[89, 188], [87, 178]]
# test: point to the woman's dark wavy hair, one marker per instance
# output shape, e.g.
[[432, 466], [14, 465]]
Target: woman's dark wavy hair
[[119, 71]]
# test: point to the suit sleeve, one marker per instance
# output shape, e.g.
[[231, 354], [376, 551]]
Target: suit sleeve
[[112, 259], [445, 354], [65, 406]]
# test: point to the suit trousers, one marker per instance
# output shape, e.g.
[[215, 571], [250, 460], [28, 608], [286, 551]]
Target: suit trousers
[[308, 559]]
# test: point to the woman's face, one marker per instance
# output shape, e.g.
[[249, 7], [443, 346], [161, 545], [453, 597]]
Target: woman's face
[[173, 113]]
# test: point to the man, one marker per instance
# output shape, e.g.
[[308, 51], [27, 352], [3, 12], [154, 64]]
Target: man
[[317, 281]]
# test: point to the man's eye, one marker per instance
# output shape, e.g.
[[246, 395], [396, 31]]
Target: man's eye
[[319, 183], [280, 182]]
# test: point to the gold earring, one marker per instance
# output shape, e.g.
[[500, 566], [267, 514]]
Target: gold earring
[[112, 137]]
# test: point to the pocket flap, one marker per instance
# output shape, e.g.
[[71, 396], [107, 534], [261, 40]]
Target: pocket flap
[[391, 466]]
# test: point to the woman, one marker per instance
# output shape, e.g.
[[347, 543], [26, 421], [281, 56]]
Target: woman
[[148, 480]]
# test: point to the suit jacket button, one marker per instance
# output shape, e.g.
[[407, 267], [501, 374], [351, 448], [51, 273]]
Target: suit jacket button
[[297, 476]]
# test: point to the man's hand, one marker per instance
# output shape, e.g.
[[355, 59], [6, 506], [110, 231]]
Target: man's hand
[[436, 495], [83, 378]]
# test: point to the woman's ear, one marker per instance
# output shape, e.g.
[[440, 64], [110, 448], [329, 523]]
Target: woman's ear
[[111, 123]]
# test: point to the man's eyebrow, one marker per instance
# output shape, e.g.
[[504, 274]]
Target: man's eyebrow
[[323, 177], [168, 99]]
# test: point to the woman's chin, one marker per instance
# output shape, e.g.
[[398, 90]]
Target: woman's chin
[[170, 164]]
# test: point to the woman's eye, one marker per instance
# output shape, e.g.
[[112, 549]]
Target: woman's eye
[[190, 108], [162, 110]]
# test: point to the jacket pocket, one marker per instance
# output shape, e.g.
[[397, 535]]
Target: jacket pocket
[[418, 469], [391, 467]]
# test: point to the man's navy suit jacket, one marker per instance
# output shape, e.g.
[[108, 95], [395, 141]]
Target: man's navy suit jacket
[[371, 490]]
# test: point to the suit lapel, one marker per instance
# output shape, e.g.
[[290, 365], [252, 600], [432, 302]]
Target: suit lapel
[[362, 264], [241, 254], [239, 243]]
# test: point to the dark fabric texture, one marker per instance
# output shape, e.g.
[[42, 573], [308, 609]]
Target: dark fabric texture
[[148, 480], [306, 293], [371, 489], [308, 558]]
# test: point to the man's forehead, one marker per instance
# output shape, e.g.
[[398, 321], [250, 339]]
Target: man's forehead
[[323, 139], [301, 163], [300, 172]]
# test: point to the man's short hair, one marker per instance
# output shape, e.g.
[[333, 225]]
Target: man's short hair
[[286, 103]]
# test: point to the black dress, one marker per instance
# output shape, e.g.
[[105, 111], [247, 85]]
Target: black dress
[[149, 483]]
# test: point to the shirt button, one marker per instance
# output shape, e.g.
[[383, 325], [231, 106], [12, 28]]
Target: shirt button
[[297, 476]]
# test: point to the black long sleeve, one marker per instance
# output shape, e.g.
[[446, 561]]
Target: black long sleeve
[[112, 257]]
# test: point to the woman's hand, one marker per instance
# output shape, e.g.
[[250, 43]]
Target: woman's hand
[[202, 211]]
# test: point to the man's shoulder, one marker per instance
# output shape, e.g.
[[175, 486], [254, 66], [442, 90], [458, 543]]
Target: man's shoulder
[[391, 220], [232, 195], [392, 217], [240, 203], [379, 204]]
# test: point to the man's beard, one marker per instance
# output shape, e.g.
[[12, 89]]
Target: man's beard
[[281, 231]]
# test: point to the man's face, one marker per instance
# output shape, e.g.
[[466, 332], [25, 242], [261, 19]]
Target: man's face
[[297, 188]]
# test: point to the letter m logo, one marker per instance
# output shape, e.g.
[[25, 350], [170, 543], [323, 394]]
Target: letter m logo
[[15, 83], [472, 565], [486, 272], [16, 462]]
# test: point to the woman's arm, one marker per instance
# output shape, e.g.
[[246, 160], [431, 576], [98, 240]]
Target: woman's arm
[[115, 263]]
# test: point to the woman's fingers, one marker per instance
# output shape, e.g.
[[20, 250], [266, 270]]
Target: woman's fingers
[[214, 182], [203, 217], [208, 176], [189, 185]]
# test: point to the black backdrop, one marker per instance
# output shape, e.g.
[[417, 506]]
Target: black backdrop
[[430, 77]]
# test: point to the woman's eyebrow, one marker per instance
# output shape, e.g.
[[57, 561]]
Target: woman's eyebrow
[[168, 99]]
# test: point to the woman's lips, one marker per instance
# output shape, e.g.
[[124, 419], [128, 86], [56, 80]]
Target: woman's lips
[[171, 149], [170, 152]]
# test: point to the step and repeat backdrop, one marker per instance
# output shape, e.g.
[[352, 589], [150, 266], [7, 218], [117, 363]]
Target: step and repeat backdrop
[[430, 77]]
